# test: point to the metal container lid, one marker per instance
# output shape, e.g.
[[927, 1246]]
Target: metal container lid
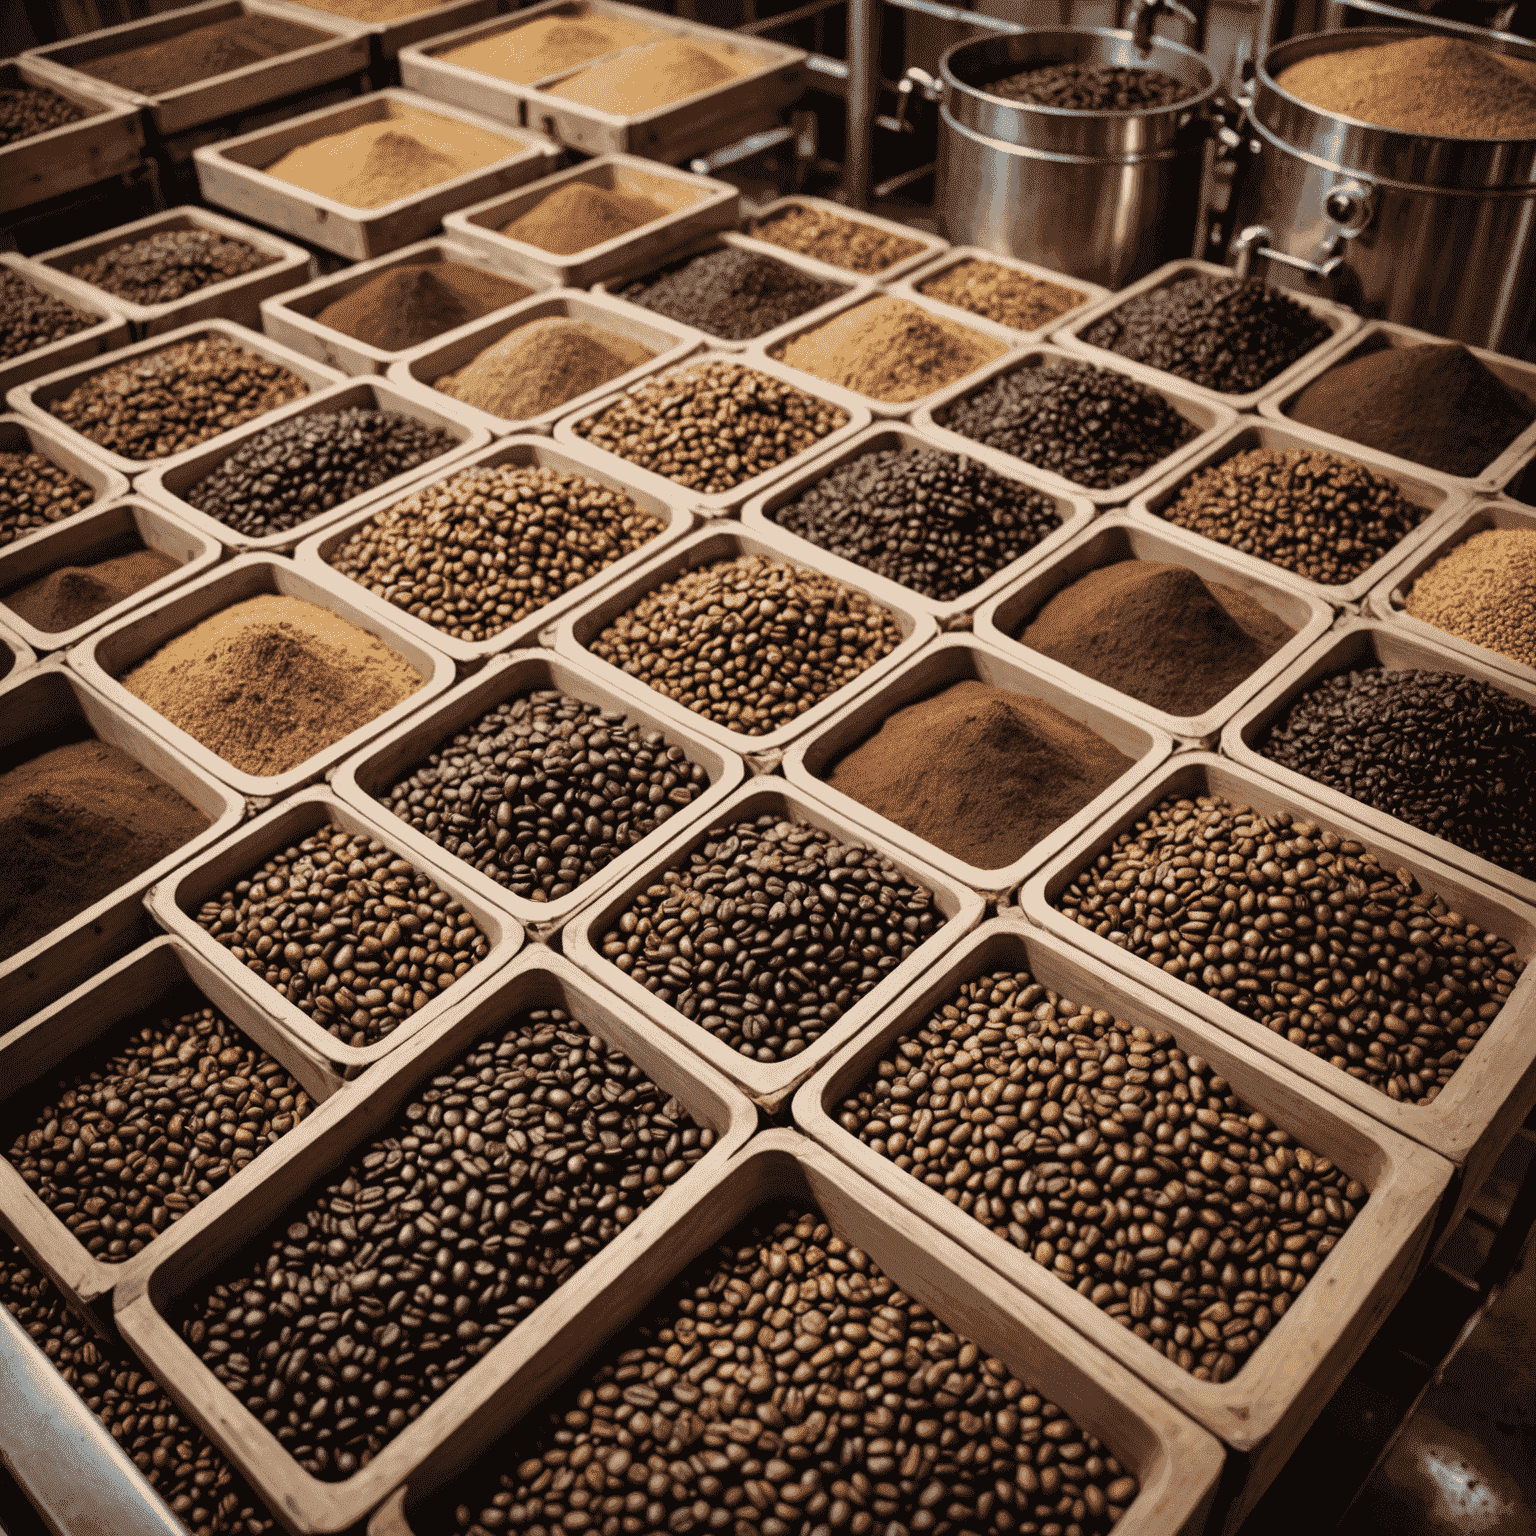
[[968, 68], [1385, 154]]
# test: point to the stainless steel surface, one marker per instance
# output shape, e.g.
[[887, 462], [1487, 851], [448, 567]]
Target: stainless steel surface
[[863, 98]]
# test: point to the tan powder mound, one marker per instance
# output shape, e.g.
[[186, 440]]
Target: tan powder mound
[[1441, 86], [578, 216], [547, 46], [655, 76], [271, 681], [374, 10]]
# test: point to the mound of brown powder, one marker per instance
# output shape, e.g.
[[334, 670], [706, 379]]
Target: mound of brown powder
[[655, 75], [374, 10], [201, 53], [578, 215], [547, 45], [408, 305], [74, 593]]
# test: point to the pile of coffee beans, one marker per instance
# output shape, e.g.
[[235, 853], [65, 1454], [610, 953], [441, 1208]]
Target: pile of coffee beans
[[481, 550], [1449, 754], [298, 468], [1320, 516], [939, 523], [133, 1133], [160, 403], [28, 110], [30, 318], [782, 1384], [203, 1491], [838, 241], [1075, 87], [544, 791], [350, 934], [1088, 425], [1003, 294], [1121, 1164], [712, 426], [1231, 334], [170, 264], [749, 643], [383, 1285], [1304, 932], [35, 492], [770, 932]]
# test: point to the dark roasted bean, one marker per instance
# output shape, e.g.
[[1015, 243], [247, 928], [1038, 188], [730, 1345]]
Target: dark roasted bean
[[170, 264], [1089, 87], [28, 110], [34, 491], [31, 318]]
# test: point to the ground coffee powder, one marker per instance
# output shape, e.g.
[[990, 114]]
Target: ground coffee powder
[[201, 53], [76, 822], [28, 110], [655, 75], [1434, 405], [547, 45], [837, 241], [1074, 87], [1484, 590], [31, 318], [579, 215], [408, 305], [1158, 632], [271, 681], [374, 10], [74, 593], [1000, 293], [978, 771]]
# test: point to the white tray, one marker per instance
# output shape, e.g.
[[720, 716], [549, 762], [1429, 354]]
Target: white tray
[[932, 245], [911, 286], [15, 654], [106, 333], [389, 37]]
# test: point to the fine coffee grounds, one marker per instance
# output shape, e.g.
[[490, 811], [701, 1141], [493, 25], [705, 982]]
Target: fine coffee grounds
[[31, 318], [1484, 591], [1003, 294], [656, 74], [374, 10], [1074, 87], [547, 45], [201, 53], [1158, 632], [74, 593], [76, 822], [1434, 405], [407, 305], [890, 349], [34, 492], [270, 681], [170, 264], [28, 110], [837, 241], [978, 771], [579, 215]]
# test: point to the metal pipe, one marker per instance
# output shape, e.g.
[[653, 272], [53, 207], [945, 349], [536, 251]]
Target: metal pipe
[[862, 99]]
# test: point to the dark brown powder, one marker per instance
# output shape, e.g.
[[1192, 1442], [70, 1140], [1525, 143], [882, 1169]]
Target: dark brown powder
[[980, 772], [74, 593], [408, 305], [77, 821], [1158, 632], [579, 215], [201, 53]]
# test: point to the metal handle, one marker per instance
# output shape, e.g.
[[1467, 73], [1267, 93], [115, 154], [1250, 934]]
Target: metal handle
[[1348, 206], [915, 79]]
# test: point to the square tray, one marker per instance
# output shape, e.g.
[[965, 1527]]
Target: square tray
[[199, 1244], [932, 245], [89, 536], [103, 657], [231, 174], [953, 659], [1264, 1410], [106, 334], [389, 37], [70, 452], [314, 553], [1068, 333], [1121, 537], [1210, 418], [695, 205], [167, 484], [363, 779], [15, 654], [1474, 1116]]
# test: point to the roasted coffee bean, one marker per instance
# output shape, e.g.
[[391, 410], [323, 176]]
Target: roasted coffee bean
[[834, 239], [1077, 87], [1304, 932], [384, 1285], [784, 1385], [1086, 424], [770, 932], [28, 110], [35, 492], [939, 523], [160, 403], [1323, 517], [543, 791], [1003, 294], [481, 550], [1232, 334], [136, 1130], [1450, 754], [203, 1491], [1122, 1165], [346, 931], [711, 426], [298, 468], [170, 264], [31, 318], [749, 643]]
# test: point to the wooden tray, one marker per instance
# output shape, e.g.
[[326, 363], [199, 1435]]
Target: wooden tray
[[695, 205], [91, 536], [1263, 1412], [231, 174], [1120, 537], [23, 434], [389, 37], [200, 1243], [107, 654], [168, 484], [1473, 1117], [109, 331], [48, 698], [15, 654], [932, 245]]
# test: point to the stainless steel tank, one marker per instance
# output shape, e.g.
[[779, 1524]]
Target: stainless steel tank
[[1105, 196], [1438, 233]]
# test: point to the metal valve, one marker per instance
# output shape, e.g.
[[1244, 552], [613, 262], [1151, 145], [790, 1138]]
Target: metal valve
[[1349, 204]]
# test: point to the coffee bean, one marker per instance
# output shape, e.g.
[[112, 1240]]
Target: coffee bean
[[34, 492], [1304, 932], [1122, 1165], [1088, 87], [31, 318], [383, 1285], [784, 1384], [545, 790], [137, 1129], [170, 264], [350, 934], [749, 643], [770, 932], [28, 110]]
